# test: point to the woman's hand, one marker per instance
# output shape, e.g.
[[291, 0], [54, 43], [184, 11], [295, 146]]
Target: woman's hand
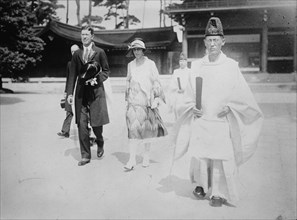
[[225, 111], [197, 112]]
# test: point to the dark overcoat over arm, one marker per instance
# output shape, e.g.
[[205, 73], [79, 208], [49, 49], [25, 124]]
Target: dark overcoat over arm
[[67, 105], [95, 95]]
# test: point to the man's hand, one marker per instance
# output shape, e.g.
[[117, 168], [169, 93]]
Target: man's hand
[[197, 112], [70, 99], [92, 81], [65, 95], [181, 91], [156, 103], [226, 110]]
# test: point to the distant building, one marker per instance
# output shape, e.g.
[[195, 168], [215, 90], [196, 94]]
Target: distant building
[[260, 34], [162, 46]]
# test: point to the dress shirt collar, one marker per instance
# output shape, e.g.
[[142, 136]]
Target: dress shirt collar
[[88, 47]]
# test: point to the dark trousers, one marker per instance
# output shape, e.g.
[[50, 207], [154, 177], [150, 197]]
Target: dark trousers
[[84, 134], [67, 122]]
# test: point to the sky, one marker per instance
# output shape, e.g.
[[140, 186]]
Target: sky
[[147, 11]]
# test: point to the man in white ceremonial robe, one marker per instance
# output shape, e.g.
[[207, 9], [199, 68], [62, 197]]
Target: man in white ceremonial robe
[[225, 131]]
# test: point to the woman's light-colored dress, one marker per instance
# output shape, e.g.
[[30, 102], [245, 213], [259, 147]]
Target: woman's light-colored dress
[[143, 92]]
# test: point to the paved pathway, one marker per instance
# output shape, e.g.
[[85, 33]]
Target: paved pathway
[[40, 178]]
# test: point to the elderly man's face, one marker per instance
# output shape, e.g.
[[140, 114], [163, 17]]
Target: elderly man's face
[[86, 37], [214, 44]]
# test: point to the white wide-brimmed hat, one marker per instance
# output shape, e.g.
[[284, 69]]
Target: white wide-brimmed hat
[[137, 44]]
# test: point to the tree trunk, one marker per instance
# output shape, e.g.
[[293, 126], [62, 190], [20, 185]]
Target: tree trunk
[[67, 11], [78, 12], [90, 12], [127, 15], [116, 18], [160, 22], [164, 18]]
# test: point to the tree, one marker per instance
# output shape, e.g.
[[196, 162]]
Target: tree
[[120, 6], [92, 20], [20, 49], [44, 10], [78, 12]]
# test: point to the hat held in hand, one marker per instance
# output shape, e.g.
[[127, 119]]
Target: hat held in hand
[[90, 70], [214, 27]]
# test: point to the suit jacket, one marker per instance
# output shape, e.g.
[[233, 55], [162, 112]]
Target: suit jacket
[[94, 96]]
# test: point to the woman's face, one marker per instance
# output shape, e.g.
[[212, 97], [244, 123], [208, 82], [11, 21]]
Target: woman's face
[[138, 52]]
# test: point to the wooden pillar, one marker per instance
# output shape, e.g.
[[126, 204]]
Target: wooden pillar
[[185, 42], [264, 44]]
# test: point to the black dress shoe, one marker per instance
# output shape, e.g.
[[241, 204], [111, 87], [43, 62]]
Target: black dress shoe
[[83, 162], [199, 192], [216, 201], [100, 152], [63, 134]]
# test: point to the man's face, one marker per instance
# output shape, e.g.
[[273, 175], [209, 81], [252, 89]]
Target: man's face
[[214, 44], [86, 37], [182, 64]]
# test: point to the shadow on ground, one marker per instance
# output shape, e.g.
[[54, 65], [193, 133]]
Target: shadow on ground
[[9, 100], [180, 187], [74, 152]]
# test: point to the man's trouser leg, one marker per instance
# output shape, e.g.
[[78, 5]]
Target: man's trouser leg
[[99, 137], [83, 133], [67, 122], [224, 179], [200, 173]]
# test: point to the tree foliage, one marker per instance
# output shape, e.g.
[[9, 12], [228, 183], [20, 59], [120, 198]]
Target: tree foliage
[[119, 10], [95, 21], [20, 49], [44, 10]]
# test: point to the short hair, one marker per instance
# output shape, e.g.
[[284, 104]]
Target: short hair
[[89, 28]]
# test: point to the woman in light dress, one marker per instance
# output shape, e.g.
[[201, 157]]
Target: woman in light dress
[[143, 95]]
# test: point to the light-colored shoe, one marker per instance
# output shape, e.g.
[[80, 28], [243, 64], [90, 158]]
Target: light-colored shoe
[[146, 161], [129, 166]]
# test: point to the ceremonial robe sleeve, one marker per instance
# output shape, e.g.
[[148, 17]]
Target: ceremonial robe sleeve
[[246, 119]]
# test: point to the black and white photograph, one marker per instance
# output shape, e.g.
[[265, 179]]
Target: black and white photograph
[[148, 109]]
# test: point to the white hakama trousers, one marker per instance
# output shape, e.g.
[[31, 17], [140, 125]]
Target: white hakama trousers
[[212, 163], [217, 177]]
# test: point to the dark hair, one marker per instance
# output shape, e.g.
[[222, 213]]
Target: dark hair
[[89, 28]]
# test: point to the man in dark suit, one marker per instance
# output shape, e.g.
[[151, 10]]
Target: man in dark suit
[[90, 67], [69, 114]]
